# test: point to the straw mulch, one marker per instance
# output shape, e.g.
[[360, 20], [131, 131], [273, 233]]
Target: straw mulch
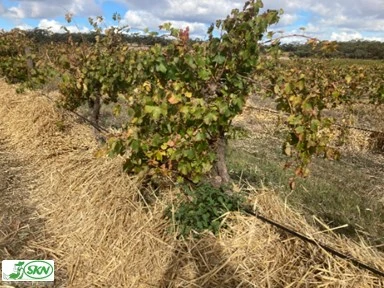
[[101, 232]]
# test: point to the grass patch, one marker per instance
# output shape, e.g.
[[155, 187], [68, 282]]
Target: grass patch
[[336, 192], [108, 116]]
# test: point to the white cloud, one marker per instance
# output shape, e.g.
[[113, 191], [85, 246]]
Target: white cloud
[[38, 9], [198, 15], [321, 9], [15, 12], [24, 27], [144, 19], [348, 36], [312, 28], [140, 19], [185, 10], [200, 10], [56, 27], [345, 36], [288, 19]]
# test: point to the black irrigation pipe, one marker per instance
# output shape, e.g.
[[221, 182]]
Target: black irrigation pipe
[[354, 261], [339, 125], [96, 126], [359, 128]]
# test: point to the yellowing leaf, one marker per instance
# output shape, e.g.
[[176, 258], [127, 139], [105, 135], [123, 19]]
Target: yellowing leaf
[[188, 94], [174, 99], [159, 155], [164, 146], [207, 167], [348, 78], [301, 85], [147, 86]]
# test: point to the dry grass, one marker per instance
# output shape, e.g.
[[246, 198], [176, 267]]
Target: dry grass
[[101, 233], [349, 191]]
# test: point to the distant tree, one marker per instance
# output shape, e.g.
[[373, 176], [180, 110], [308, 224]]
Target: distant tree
[[355, 49]]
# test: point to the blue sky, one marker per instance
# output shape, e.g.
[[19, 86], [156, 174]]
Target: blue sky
[[328, 20]]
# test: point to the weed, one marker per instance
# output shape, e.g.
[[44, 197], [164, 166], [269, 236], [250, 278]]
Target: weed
[[203, 208]]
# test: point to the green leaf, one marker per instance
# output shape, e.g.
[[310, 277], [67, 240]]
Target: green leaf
[[307, 106], [161, 68], [315, 125], [135, 145], [183, 168], [190, 154], [200, 136], [209, 118], [204, 74], [294, 119], [300, 129], [185, 109], [117, 148], [155, 111], [219, 59]]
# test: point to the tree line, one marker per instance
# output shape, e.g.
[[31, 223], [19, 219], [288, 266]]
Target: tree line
[[355, 49], [43, 36]]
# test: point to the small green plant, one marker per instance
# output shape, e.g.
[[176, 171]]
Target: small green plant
[[202, 209], [237, 132]]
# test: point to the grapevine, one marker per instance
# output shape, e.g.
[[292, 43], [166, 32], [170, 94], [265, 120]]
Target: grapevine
[[183, 96]]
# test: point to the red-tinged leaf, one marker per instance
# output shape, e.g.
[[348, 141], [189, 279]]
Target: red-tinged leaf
[[299, 171], [171, 143]]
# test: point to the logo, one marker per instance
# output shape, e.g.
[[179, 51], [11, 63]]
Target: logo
[[28, 270]]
